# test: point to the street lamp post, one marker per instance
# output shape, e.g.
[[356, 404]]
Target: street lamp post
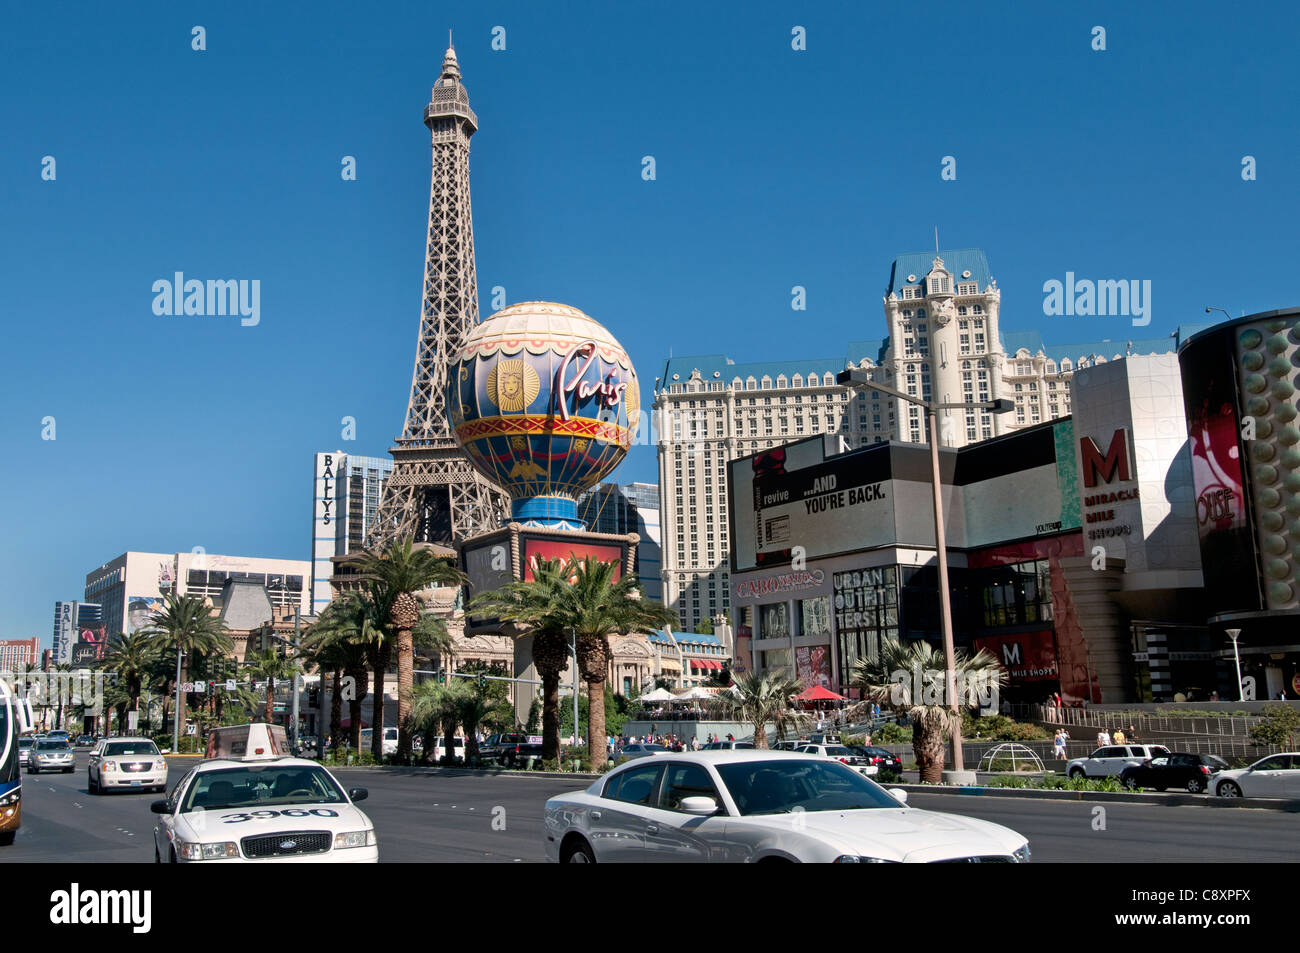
[[176, 709], [855, 378], [1235, 634], [573, 634]]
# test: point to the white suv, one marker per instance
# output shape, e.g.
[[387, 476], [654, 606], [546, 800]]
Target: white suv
[[1111, 760]]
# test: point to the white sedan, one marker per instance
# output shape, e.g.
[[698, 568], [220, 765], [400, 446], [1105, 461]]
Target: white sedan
[[750, 806], [272, 809], [1278, 775]]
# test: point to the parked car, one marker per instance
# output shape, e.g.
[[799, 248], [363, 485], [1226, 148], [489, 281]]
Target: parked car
[[881, 758], [1111, 760], [791, 744], [1195, 772], [495, 745], [639, 750], [841, 754], [440, 749], [727, 745], [737, 806], [389, 743], [1278, 775]]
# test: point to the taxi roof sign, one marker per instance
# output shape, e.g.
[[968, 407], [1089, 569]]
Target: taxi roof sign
[[248, 742]]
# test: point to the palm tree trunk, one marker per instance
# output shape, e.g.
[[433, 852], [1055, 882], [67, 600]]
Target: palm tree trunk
[[336, 713], [551, 716], [597, 740], [377, 709], [760, 734], [405, 683], [270, 700], [927, 745]]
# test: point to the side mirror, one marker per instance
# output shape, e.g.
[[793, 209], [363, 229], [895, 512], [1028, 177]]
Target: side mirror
[[898, 795], [159, 807], [358, 794], [699, 805]]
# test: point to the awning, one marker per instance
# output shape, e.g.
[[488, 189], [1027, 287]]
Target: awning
[[816, 694]]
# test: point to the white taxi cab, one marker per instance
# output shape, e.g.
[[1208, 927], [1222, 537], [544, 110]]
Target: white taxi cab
[[262, 807]]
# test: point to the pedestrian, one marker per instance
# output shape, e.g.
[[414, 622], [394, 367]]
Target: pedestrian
[[1132, 735], [1118, 736], [1103, 738], [1059, 744]]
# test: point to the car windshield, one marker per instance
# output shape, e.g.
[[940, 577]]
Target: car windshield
[[26, 742], [837, 751], [53, 746], [258, 786], [781, 787], [129, 747]]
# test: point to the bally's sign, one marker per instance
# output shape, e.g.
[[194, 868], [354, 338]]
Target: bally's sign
[[327, 489]]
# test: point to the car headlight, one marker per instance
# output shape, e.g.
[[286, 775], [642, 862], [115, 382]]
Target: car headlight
[[195, 851], [355, 839], [854, 859], [13, 797], [159, 764], [107, 766], [1021, 854]]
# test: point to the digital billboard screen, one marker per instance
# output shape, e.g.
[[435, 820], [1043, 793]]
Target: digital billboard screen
[[1229, 561], [549, 548]]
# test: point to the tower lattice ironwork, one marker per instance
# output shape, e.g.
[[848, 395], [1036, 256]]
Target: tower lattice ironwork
[[434, 495]]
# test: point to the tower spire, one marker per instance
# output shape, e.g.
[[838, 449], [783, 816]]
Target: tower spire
[[434, 495]]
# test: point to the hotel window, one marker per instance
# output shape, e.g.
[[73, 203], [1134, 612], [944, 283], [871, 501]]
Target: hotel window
[[979, 341], [938, 285], [961, 311], [920, 314], [976, 309], [968, 288]]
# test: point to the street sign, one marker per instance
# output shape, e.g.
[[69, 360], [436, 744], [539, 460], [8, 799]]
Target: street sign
[[200, 687], [231, 685]]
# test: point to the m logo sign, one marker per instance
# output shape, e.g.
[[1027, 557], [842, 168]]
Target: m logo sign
[[1099, 469]]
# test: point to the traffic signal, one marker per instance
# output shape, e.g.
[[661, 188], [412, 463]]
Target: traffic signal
[[482, 680]]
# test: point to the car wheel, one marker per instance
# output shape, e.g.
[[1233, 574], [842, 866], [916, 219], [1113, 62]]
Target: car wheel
[[579, 852], [1076, 773], [1129, 781], [1228, 789], [1195, 786]]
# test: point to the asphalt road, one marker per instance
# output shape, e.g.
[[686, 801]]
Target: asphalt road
[[451, 817]]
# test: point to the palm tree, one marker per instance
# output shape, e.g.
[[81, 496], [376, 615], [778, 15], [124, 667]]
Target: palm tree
[[472, 707], [397, 575], [272, 666], [435, 710], [910, 677], [339, 640], [594, 607], [762, 699], [187, 626], [532, 604], [130, 657]]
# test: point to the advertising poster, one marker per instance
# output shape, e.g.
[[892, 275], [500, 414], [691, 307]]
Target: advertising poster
[[813, 665], [774, 621], [1228, 558], [139, 610], [560, 549]]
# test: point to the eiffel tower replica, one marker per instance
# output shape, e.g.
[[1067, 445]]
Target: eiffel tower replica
[[434, 495]]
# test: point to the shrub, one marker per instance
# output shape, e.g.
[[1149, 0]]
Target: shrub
[[1280, 726], [891, 734]]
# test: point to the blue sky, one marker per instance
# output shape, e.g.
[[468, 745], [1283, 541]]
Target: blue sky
[[774, 168]]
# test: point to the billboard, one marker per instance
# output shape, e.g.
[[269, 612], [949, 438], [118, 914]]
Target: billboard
[[139, 612], [551, 548], [812, 665], [92, 633], [1210, 395], [64, 630]]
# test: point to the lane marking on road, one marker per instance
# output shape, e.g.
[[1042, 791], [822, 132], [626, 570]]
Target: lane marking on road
[[78, 805]]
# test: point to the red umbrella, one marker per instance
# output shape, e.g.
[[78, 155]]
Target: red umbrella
[[818, 694]]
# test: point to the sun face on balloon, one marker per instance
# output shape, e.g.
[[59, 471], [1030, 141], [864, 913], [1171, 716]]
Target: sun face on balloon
[[512, 385]]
